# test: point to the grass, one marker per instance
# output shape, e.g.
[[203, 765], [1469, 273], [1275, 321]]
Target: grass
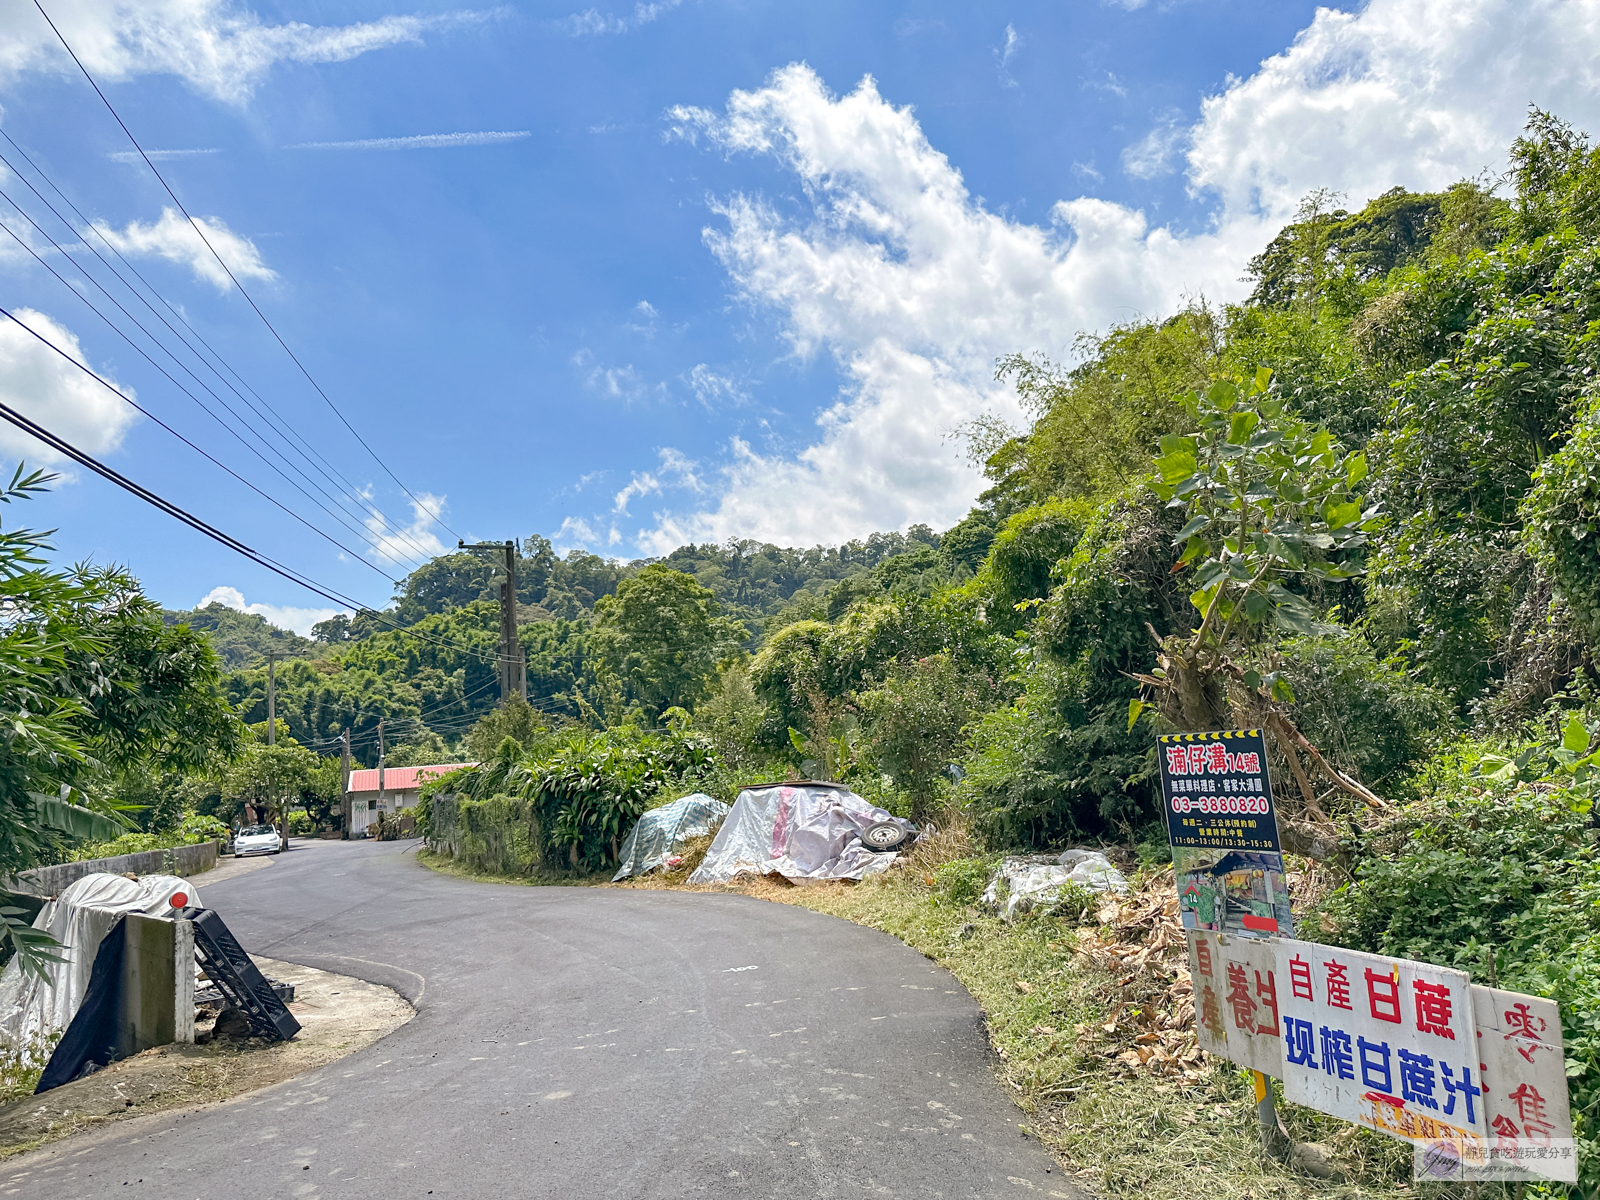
[[446, 865]]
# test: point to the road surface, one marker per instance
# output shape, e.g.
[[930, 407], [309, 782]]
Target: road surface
[[584, 1042]]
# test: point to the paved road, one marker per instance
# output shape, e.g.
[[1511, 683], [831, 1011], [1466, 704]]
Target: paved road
[[585, 1042]]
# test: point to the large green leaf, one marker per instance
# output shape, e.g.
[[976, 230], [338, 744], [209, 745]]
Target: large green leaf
[[74, 820]]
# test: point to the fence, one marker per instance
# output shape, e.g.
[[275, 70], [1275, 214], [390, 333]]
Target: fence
[[177, 860], [499, 836]]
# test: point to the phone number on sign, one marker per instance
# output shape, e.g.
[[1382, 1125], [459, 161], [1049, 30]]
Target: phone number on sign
[[1220, 804]]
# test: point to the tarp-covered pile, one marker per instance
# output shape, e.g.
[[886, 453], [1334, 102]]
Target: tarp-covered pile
[[661, 832], [34, 1010], [806, 832], [1038, 883]]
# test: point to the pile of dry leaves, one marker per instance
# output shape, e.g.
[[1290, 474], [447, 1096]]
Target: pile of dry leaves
[[1140, 945]]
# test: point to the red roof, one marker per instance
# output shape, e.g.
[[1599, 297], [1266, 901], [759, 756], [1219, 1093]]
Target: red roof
[[400, 779]]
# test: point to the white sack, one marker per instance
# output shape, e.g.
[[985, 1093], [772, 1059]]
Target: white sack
[[33, 1010], [803, 832]]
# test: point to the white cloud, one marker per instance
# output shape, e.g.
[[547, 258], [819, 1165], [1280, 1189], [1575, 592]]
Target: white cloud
[[591, 21], [218, 47], [1412, 92], [646, 310], [421, 141], [41, 385], [714, 390], [133, 156], [1153, 154], [642, 484], [174, 239], [1005, 52], [575, 534], [284, 617], [914, 288], [402, 546]]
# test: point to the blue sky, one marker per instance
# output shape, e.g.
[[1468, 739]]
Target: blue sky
[[702, 281]]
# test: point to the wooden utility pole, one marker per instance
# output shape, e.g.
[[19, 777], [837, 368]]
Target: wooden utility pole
[[344, 778], [272, 738], [513, 672]]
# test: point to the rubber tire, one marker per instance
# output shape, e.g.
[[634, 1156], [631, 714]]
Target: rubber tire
[[890, 848]]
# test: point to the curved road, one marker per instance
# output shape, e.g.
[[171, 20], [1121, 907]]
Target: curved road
[[584, 1042]]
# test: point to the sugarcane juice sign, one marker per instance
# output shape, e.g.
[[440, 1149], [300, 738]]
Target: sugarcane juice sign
[[1225, 852]]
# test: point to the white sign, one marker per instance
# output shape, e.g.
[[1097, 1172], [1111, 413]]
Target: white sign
[[1384, 1042], [1236, 998], [1525, 1083]]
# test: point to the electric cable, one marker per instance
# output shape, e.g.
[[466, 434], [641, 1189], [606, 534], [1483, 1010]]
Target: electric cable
[[140, 350], [273, 419], [195, 225], [84, 458]]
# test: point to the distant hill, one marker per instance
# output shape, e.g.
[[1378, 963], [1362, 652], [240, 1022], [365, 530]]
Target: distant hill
[[241, 639]]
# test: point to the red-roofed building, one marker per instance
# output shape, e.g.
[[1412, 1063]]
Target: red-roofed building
[[400, 786]]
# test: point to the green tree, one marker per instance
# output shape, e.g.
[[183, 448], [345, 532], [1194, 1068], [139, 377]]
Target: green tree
[[271, 779], [663, 634]]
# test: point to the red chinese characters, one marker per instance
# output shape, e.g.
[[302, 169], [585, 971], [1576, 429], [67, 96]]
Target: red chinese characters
[[1433, 1008]]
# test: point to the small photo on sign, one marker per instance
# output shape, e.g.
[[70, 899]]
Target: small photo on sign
[[1224, 833]]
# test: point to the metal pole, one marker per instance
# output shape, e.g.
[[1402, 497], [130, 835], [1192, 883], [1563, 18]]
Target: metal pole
[[1266, 1112]]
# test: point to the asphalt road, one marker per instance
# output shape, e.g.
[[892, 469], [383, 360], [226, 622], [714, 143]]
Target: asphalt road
[[584, 1042]]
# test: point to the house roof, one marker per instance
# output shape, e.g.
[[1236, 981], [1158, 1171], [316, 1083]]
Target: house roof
[[400, 779]]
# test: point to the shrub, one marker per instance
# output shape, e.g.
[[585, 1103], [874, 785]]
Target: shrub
[[961, 881]]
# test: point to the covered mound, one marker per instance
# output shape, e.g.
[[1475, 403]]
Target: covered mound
[[806, 832], [662, 831]]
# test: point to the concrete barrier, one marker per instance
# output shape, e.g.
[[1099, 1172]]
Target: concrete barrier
[[155, 999], [183, 861]]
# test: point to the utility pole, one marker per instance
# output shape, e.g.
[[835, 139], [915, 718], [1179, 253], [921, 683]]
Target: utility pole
[[344, 777], [513, 672], [382, 753], [272, 697], [272, 738]]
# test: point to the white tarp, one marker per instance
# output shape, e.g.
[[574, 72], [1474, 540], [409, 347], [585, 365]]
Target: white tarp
[[33, 1011], [662, 830], [1037, 882], [803, 831]]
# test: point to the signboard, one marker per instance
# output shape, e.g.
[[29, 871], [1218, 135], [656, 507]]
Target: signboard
[[1383, 1042], [1236, 999], [1524, 1078], [1224, 833]]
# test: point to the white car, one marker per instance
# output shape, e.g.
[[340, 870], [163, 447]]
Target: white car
[[256, 839]]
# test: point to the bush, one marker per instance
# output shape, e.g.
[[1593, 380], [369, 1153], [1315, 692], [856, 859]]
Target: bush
[[961, 881], [193, 829]]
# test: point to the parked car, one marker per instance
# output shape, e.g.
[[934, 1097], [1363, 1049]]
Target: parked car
[[257, 839]]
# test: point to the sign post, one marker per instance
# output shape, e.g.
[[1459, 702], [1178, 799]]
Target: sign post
[[1228, 866]]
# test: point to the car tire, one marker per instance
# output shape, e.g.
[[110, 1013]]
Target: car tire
[[884, 837]]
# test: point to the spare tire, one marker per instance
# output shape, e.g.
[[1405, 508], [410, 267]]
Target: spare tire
[[884, 837]]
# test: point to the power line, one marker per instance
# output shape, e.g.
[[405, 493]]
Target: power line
[[433, 516], [84, 458], [273, 419], [140, 408], [140, 350]]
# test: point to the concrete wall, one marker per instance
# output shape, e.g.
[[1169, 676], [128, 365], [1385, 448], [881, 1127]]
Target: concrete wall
[[155, 1003], [179, 860]]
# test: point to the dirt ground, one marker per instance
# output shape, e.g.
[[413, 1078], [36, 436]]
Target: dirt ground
[[337, 1015]]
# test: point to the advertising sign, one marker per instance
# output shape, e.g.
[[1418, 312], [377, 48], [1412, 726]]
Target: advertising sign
[[1383, 1042], [1236, 999], [1523, 1072], [1224, 832]]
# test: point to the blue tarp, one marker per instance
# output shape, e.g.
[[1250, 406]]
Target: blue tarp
[[662, 831]]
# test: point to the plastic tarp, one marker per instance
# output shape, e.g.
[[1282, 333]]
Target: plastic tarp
[[805, 832], [661, 831], [32, 1010], [1037, 883]]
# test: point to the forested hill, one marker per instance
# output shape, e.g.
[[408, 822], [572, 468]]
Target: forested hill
[[433, 687]]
